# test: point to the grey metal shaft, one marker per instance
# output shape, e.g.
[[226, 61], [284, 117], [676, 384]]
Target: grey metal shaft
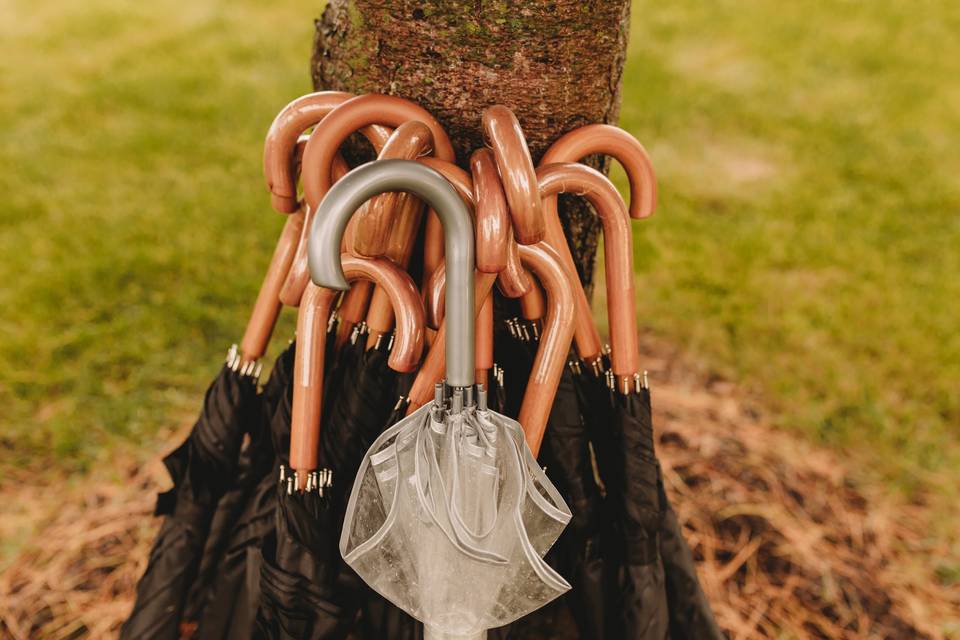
[[380, 176]]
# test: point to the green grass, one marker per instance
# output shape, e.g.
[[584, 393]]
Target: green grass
[[807, 242], [808, 238]]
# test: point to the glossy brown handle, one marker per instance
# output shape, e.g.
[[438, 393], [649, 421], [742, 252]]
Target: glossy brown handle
[[311, 347], [491, 214], [291, 290], [279, 166], [376, 217], [433, 367], [433, 294], [308, 377], [555, 340], [513, 281], [533, 305], [354, 115], [618, 257], [433, 236], [504, 135], [267, 307], [613, 141], [399, 250]]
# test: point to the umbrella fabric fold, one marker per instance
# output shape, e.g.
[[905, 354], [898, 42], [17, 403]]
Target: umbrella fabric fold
[[357, 414], [234, 594], [202, 469], [638, 584], [256, 461], [298, 595], [566, 455]]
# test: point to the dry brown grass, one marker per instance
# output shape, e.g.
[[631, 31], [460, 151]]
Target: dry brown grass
[[789, 547]]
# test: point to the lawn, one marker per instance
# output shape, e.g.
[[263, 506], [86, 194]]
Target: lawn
[[807, 243]]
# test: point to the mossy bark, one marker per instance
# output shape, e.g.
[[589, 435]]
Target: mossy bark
[[556, 63]]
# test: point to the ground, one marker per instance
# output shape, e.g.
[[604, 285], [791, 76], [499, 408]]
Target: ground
[[805, 248]]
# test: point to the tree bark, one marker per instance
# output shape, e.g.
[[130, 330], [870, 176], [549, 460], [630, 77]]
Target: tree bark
[[557, 64]]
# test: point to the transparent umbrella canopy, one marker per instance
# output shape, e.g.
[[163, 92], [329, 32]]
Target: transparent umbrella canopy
[[450, 515]]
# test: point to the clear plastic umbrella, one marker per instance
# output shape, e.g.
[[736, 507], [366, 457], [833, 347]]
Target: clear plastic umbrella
[[450, 515]]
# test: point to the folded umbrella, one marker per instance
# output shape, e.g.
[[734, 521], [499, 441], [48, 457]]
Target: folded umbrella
[[256, 461], [201, 469], [235, 592]]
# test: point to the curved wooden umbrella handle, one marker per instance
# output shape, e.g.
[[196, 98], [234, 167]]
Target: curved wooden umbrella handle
[[353, 115], [433, 294], [278, 148], [311, 347], [555, 340], [399, 250], [375, 219], [618, 257], [484, 348], [533, 306], [514, 281], [492, 218], [289, 293], [615, 142], [503, 133], [267, 307], [433, 236]]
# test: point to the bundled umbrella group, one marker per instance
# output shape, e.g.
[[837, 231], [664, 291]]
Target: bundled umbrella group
[[448, 446]]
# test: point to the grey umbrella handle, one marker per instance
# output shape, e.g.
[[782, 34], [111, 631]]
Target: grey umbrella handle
[[381, 176]]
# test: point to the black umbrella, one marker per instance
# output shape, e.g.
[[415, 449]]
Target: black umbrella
[[637, 585], [256, 461], [202, 469], [565, 453], [331, 431], [357, 416], [234, 593], [299, 599]]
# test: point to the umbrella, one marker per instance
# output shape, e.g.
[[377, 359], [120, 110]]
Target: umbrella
[[234, 594], [690, 614], [256, 460], [636, 594], [202, 469], [446, 560], [301, 593], [503, 133]]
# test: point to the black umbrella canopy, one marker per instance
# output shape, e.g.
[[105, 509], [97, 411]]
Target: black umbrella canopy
[[651, 578], [566, 455], [234, 593], [691, 617], [364, 406], [202, 469], [358, 412], [256, 461], [637, 589], [299, 598]]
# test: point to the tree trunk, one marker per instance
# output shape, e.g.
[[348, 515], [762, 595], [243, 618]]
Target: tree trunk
[[556, 63]]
